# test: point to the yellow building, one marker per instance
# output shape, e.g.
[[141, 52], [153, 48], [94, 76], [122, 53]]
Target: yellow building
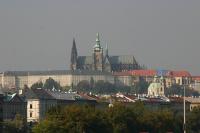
[[38, 102], [194, 102]]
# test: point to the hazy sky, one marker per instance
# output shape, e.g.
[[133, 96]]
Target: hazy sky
[[38, 34]]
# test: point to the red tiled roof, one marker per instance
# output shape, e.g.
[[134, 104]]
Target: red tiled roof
[[88, 97], [176, 99], [179, 74], [121, 99], [153, 73], [196, 78], [126, 73], [143, 72]]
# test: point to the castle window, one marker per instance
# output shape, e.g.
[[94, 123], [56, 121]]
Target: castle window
[[31, 114], [31, 106]]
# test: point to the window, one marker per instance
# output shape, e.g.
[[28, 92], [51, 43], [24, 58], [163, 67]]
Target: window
[[30, 114], [31, 106], [179, 81]]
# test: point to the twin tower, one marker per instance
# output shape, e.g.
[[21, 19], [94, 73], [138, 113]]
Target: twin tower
[[100, 62]]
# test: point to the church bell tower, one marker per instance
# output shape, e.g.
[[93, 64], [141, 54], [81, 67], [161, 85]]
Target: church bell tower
[[97, 55]]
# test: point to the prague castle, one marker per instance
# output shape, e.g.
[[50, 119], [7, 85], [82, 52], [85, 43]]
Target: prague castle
[[98, 66], [100, 62]]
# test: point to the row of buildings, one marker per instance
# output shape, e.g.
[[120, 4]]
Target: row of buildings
[[17, 79], [33, 104]]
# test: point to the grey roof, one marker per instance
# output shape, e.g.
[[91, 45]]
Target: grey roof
[[9, 97], [13, 98], [123, 59], [85, 60], [13, 73], [192, 100], [26, 73], [106, 60], [55, 72], [43, 94], [88, 72], [37, 94], [62, 95]]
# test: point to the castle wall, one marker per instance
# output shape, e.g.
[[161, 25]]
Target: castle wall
[[18, 81]]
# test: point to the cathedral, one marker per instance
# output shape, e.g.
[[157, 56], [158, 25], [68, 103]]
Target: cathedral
[[100, 62]]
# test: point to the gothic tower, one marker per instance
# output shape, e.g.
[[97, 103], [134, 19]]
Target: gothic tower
[[106, 64], [97, 55], [74, 56]]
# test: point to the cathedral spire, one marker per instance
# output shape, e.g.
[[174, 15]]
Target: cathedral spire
[[74, 55], [106, 53], [97, 45], [97, 38]]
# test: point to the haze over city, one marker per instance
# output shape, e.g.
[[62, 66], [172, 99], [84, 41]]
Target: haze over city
[[37, 35]]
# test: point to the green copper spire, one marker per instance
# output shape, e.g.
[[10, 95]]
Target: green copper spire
[[97, 45], [97, 38]]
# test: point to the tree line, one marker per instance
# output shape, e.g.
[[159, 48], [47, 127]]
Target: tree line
[[116, 119], [98, 87], [104, 87], [50, 84]]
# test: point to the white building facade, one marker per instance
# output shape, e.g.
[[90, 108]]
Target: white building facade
[[157, 87], [17, 79]]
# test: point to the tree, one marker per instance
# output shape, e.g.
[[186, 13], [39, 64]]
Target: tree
[[92, 82], [178, 90], [37, 85], [193, 123], [74, 119], [117, 119], [83, 86], [123, 119], [18, 125], [26, 87], [102, 87], [141, 87], [50, 83]]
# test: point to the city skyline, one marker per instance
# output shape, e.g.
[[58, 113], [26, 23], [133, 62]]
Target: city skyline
[[38, 35]]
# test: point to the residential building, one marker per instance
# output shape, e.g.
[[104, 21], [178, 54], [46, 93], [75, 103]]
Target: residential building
[[195, 83], [1, 107], [39, 101], [13, 104], [179, 77], [147, 75], [194, 102], [170, 77]]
